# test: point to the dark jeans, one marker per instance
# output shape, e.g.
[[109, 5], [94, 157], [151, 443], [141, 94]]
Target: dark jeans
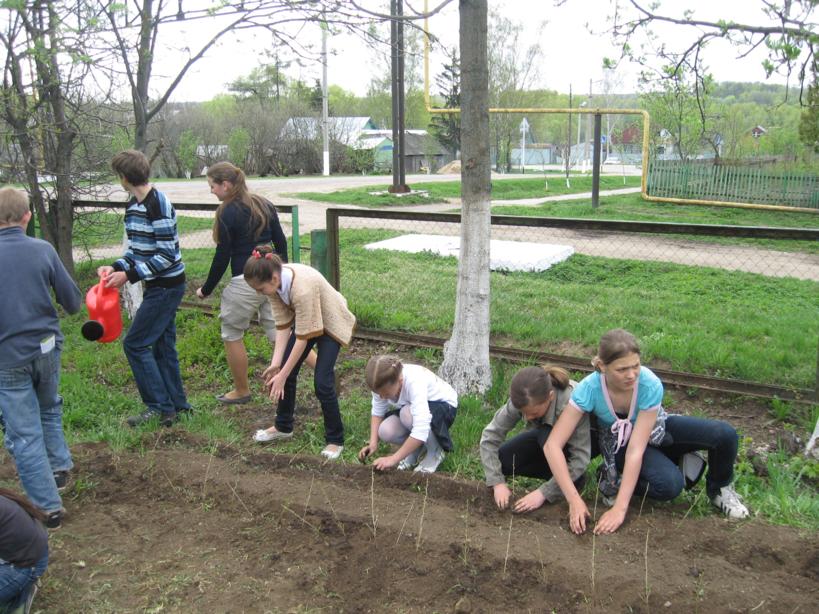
[[150, 347], [523, 455], [324, 381], [660, 475]]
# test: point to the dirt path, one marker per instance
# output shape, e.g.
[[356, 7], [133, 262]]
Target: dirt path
[[176, 529]]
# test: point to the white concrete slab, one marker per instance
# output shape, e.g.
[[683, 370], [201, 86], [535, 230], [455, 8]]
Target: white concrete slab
[[503, 255]]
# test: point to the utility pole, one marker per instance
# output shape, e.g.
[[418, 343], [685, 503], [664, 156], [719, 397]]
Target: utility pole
[[569, 138], [325, 120], [588, 128], [596, 162], [399, 180], [579, 124]]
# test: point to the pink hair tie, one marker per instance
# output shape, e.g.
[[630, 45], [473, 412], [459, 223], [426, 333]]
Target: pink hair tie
[[268, 256], [256, 254]]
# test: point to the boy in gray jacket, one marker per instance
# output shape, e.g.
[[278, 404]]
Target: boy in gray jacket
[[30, 344]]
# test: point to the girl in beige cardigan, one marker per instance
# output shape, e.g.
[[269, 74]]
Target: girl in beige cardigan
[[309, 313]]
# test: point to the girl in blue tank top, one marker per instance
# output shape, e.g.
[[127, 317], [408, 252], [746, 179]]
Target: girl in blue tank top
[[645, 451]]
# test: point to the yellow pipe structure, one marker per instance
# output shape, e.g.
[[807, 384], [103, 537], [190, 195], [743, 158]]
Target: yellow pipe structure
[[646, 125]]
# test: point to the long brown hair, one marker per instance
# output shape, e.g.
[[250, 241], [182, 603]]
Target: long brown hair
[[259, 207], [382, 370], [262, 264], [533, 385], [615, 344], [27, 505]]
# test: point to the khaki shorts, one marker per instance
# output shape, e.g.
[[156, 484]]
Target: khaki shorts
[[240, 303]]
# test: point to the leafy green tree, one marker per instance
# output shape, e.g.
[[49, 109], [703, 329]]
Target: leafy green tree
[[681, 111], [809, 122], [186, 150], [48, 60], [447, 127], [264, 84], [785, 28], [238, 146]]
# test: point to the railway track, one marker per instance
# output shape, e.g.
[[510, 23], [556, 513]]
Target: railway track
[[676, 378]]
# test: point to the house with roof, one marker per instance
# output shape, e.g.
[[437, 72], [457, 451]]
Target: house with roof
[[344, 130], [422, 151]]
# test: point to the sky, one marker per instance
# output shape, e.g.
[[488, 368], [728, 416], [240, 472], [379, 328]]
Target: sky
[[572, 37]]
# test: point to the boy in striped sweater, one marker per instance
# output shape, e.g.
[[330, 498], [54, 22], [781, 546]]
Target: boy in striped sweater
[[153, 257]]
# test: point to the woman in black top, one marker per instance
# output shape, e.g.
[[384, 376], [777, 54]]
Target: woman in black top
[[23, 549], [243, 220]]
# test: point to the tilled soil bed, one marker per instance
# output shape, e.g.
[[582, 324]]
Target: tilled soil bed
[[189, 527]]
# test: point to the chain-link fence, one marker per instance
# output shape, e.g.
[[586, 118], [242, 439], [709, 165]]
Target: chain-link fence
[[725, 301], [98, 231]]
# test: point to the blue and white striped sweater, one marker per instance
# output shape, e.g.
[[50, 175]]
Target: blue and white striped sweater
[[153, 242]]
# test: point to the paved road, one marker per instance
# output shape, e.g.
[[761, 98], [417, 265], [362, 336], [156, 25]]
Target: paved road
[[653, 248]]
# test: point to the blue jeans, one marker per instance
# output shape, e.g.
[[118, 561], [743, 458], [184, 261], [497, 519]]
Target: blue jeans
[[660, 473], [324, 380], [33, 414], [15, 581], [150, 347]]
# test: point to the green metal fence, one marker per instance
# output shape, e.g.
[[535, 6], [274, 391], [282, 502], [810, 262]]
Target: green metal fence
[[704, 180]]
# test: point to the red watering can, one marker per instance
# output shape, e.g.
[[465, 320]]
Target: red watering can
[[105, 324]]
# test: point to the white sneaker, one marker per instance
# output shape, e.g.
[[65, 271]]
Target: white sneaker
[[431, 462], [265, 436], [331, 454], [730, 504], [408, 462]]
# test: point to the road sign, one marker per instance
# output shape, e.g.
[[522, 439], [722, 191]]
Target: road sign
[[524, 126]]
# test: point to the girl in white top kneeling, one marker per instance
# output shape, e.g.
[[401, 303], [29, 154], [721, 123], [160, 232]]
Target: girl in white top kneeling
[[413, 409]]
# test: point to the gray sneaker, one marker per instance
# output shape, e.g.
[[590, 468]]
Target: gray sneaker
[[408, 462], [165, 418], [431, 462]]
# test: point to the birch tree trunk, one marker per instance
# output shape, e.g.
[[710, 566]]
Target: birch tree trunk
[[466, 354]]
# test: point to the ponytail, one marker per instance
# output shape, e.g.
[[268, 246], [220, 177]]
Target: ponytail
[[533, 385]]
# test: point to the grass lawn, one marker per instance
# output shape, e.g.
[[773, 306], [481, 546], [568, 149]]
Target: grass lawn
[[633, 207], [696, 319], [502, 189]]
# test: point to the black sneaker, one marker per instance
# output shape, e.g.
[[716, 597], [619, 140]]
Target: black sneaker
[[165, 418], [54, 520], [168, 418], [61, 479]]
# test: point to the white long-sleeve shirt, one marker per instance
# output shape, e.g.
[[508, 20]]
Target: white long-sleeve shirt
[[419, 388]]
